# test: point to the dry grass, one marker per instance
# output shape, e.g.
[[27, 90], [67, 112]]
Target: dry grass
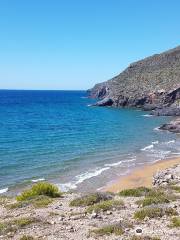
[[90, 199], [134, 192], [154, 212], [105, 205]]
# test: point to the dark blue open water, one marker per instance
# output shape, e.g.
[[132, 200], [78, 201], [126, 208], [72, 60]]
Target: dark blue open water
[[54, 135]]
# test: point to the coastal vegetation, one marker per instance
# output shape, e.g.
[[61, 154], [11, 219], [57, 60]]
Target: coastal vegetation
[[109, 229], [42, 188], [27, 237], [154, 212], [14, 225], [156, 196], [105, 206], [134, 192], [90, 199], [175, 222]]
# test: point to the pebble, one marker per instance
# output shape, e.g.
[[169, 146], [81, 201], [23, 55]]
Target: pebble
[[93, 215], [108, 212], [138, 231]]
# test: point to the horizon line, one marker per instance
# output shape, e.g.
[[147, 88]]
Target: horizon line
[[19, 89]]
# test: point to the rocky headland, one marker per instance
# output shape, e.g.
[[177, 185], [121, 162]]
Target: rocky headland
[[152, 84]]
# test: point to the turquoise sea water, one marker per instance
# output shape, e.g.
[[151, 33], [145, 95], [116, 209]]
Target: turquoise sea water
[[56, 136]]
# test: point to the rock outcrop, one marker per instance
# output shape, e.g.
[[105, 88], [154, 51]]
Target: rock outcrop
[[167, 176], [152, 84], [173, 126]]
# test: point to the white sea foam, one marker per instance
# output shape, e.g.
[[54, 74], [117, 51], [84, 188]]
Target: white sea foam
[[160, 154], [38, 180], [3, 190], [119, 163], [155, 142], [81, 178], [87, 175], [113, 164], [147, 115], [64, 187], [171, 141], [129, 160], [176, 153], [147, 147], [157, 129]]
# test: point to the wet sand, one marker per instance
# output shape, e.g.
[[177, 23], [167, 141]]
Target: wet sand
[[142, 176]]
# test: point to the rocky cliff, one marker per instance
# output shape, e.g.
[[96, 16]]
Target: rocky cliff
[[152, 84]]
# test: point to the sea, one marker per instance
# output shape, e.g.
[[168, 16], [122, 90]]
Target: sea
[[57, 136]]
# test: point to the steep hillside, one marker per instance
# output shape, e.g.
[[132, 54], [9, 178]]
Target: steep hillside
[[151, 83]]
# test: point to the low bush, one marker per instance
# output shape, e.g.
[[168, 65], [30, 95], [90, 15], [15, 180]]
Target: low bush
[[90, 199], [153, 200], [109, 229], [175, 222], [37, 201], [176, 188], [156, 196], [154, 212], [42, 188], [14, 225], [134, 192], [105, 205], [26, 237]]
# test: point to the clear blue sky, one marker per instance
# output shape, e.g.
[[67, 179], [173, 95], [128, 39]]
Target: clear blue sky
[[73, 44]]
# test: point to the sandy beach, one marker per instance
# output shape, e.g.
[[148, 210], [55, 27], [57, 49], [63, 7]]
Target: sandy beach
[[141, 176]]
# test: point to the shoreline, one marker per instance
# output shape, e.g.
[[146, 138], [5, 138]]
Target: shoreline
[[141, 176]]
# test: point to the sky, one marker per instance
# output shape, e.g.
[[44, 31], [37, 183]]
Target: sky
[[73, 44]]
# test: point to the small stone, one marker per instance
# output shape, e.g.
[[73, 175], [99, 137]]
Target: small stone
[[138, 231], [70, 228], [52, 222], [127, 229], [108, 212], [75, 217], [146, 218], [93, 215], [61, 218]]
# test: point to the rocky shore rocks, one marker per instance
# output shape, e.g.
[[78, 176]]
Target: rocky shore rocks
[[167, 176], [151, 84], [173, 126]]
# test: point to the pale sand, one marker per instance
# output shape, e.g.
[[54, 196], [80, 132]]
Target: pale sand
[[142, 176]]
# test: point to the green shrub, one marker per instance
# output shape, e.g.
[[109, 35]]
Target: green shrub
[[41, 201], [14, 225], [156, 196], [42, 188], [176, 188], [152, 200], [175, 222], [134, 192], [105, 205], [37, 201], [156, 192], [22, 222], [26, 237], [90, 199], [109, 229], [17, 205], [154, 212]]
